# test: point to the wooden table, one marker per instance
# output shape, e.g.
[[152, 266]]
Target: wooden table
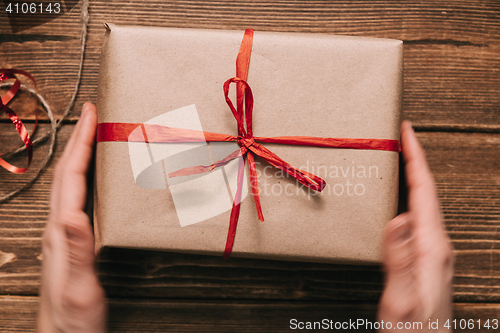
[[451, 94]]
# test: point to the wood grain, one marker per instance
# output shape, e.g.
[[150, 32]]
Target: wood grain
[[452, 95], [452, 49], [465, 166], [18, 314]]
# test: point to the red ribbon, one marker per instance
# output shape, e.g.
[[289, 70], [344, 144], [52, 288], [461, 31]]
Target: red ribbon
[[6, 74], [249, 145]]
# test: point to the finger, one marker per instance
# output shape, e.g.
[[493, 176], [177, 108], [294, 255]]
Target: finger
[[422, 197], [83, 291], [61, 164], [81, 245], [71, 287], [55, 243], [400, 299], [74, 136], [419, 176], [69, 255], [54, 239], [397, 248], [73, 182]]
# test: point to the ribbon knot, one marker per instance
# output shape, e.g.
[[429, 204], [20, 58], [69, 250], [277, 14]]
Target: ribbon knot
[[248, 145], [246, 142]]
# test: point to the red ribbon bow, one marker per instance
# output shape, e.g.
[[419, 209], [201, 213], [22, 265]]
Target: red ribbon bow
[[249, 145], [6, 74]]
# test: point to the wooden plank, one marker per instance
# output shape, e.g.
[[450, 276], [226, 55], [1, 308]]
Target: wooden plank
[[465, 166], [452, 50], [18, 314]]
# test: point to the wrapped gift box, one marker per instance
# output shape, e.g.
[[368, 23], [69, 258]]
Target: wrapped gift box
[[303, 85]]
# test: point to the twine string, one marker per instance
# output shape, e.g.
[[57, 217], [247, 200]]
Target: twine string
[[54, 124]]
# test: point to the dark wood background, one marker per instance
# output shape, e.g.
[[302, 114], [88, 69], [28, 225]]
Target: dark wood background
[[451, 94]]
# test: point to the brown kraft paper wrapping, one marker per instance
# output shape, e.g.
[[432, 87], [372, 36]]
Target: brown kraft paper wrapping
[[303, 85]]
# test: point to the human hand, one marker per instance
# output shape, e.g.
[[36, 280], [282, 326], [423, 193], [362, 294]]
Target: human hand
[[71, 298], [418, 256]]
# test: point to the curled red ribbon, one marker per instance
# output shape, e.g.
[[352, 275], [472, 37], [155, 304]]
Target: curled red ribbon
[[249, 145], [6, 74]]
